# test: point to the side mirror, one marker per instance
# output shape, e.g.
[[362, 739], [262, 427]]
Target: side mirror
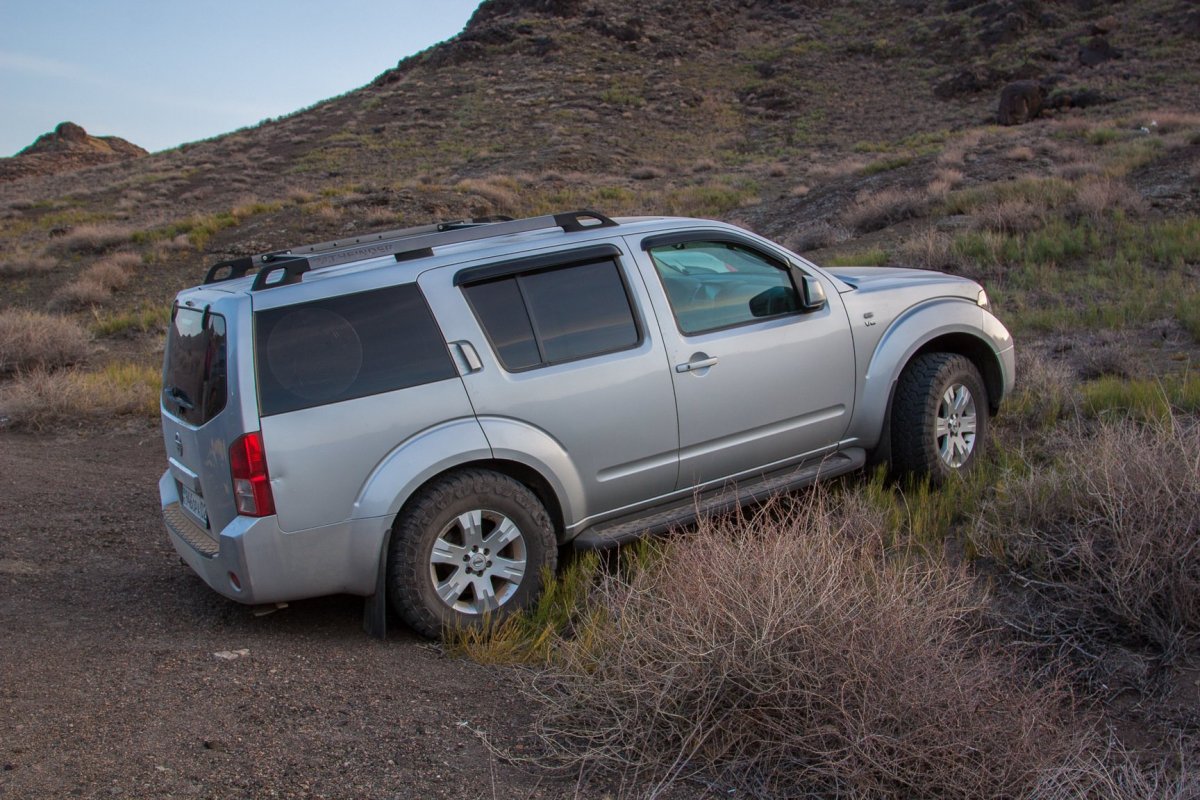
[[813, 292]]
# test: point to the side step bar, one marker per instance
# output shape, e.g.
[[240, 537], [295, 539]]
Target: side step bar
[[610, 534]]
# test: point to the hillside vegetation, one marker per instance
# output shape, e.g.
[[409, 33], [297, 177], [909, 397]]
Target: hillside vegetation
[[1031, 631]]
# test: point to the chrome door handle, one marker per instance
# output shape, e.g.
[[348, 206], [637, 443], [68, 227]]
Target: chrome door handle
[[700, 363]]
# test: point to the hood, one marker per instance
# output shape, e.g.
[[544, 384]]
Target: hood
[[875, 279]]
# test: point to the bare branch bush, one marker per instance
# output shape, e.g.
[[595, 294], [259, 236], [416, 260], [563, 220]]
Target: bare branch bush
[[1107, 544], [785, 653]]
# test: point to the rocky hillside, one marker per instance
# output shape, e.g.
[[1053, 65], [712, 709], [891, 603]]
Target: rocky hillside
[[65, 149]]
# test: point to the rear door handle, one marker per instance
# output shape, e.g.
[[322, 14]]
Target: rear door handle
[[470, 358], [698, 363]]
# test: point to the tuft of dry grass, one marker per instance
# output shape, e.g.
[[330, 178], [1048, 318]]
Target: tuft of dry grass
[[818, 236], [931, 249], [33, 341], [787, 654], [501, 195], [91, 238], [874, 210], [25, 264], [1098, 197], [1105, 542], [96, 284], [1010, 215], [945, 180], [40, 399]]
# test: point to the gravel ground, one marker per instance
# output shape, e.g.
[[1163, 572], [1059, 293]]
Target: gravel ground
[[110, 685]]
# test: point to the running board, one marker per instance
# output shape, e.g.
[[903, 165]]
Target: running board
[[610, 534]]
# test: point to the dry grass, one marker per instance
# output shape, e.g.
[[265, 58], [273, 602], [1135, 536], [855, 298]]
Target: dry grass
[[1020, 153], [93, 238], [1099, 197], [40, 399], [945, 180], [790, 656], [1012, 215], [818, 236], [931, 249], [500, 194], [1106, 542], [25, 264], [98, 282], [874, 210], [33, 341]]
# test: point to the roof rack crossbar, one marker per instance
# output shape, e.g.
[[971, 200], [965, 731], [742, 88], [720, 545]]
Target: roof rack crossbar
[[402, 244]]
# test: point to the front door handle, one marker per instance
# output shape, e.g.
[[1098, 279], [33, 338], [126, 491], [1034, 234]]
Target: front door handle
[[704, 362]]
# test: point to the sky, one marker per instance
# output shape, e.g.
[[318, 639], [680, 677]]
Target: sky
[[163, 72]]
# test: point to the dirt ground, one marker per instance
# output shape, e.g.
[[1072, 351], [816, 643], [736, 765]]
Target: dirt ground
[[110, 686]]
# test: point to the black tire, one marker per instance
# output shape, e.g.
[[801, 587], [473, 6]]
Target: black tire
[[444, 513], [938, 388]]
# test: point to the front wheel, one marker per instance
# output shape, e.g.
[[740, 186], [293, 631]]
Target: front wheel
[[470, 546], [939, 416]]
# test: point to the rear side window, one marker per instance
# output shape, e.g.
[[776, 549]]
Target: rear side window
[[194, 370], [555, 315], [340, 348]]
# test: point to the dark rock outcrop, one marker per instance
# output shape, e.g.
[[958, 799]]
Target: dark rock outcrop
[[1020, 102]]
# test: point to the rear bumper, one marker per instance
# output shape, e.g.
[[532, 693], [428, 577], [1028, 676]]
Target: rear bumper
[[273, 566]]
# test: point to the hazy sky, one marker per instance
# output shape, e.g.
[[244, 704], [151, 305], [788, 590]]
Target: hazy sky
[[163, 72]]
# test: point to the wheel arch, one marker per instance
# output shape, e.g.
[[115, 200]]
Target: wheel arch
[[975, 350]]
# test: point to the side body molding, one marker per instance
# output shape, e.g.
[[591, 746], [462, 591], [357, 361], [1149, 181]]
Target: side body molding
[[908, 333]]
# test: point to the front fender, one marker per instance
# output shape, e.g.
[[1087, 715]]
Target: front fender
[[905, 337]]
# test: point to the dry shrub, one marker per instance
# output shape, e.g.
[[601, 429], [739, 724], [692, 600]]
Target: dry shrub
[[851, 165], [1013, 215], [787, 655], [39, 399], [931, 249], [1097, 197], [1020, 153], [502, 195], [25, 264], [94, 238], [1172, 121], [1107, 540], [818, 236], [799, 190], [30, 340], [874, 210], [955, 152], [944, 180], [646, 173], [1046, 393], [96, 284]]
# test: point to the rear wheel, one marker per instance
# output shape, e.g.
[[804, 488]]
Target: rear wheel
[[469, 547], [939, 416]]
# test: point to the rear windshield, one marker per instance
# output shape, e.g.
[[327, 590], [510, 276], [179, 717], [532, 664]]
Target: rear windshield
[[345, 347], [194, 368]]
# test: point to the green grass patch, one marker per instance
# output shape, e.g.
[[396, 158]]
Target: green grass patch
[[885, 165], [1143, 399], [143, 319], [529, 637]]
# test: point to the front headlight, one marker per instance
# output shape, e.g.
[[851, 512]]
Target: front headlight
[[982, 299]]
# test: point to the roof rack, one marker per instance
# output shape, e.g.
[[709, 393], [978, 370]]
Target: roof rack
[[288, 266]]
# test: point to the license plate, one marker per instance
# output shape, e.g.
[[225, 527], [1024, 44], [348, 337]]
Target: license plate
[[194, 503]]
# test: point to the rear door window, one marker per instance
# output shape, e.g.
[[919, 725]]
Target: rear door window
[[554, 315], [341, 348], [194, 367]]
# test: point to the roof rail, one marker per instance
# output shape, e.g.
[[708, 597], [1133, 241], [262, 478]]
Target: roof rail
[[404, 244]]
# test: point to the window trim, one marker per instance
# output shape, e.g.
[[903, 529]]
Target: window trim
[[517, 268], [720, 237]]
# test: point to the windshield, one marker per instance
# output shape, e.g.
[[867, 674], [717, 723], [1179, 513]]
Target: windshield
[[194, 368]]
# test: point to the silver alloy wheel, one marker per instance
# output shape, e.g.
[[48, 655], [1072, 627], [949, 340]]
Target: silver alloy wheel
[[478, 561], [956, 425]]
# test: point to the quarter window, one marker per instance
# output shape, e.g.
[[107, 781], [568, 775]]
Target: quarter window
[[348, 346], [713, 285], [555, 315]]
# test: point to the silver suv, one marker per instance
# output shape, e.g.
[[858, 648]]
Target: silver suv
[[424, 416]]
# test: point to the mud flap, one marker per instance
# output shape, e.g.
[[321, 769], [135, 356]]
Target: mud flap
[[375, 606]]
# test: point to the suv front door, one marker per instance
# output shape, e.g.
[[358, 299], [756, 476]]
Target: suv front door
[[759, 382]]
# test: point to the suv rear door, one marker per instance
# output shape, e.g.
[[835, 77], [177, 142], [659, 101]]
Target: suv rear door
[[558, 342], [759, 383]]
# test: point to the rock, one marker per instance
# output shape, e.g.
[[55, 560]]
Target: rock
[[1096, 51], [965, 82], [1020, 102]]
